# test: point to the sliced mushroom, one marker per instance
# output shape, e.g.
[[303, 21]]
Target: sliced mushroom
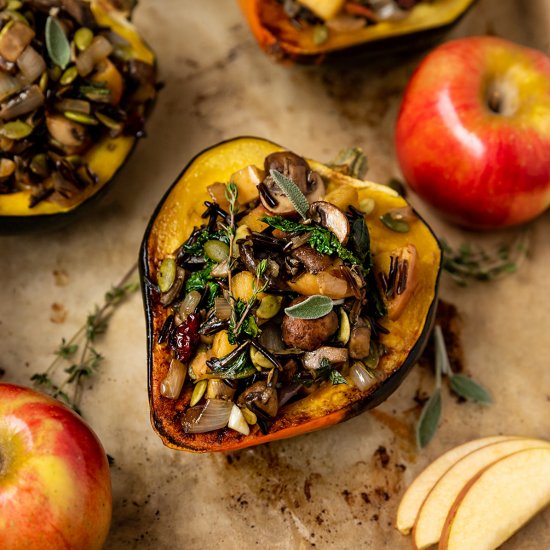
[[67, 132], [260, 396], [312, 359], [331, 218], [405, 281], [313, 260], [308, 334], [297, 169], [359, 342]]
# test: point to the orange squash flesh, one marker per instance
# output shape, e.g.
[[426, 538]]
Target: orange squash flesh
[[174, 219], [281, 39]]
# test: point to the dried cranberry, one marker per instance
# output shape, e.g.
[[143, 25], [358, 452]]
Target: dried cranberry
[[186, 338]]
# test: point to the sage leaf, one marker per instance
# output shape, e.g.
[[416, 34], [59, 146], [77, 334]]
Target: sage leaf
[[291, 190], [57, 44], [314, 307], [429, 419], [470, 389]]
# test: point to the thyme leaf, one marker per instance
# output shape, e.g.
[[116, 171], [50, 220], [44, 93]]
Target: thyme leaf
[[469, 263], [336, 378], [291, 190], [85, 360]]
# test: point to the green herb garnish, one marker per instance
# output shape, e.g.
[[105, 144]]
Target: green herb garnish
[[321, 239], [460, 384], [336, 378], [291, 190], [313, 307], [80, 350], [199, 279], [57, 44], [472, 263]]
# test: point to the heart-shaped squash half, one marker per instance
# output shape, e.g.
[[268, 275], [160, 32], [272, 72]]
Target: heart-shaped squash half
[[281, 295]]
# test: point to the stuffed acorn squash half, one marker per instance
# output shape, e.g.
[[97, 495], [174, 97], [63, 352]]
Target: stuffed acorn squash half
[[76, 82], [316, 30], [282, 296]]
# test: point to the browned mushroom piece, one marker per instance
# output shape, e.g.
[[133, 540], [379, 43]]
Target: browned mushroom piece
[[260, 396], [296, 168], [312, 359], [313, 261], [71, 135], [404, 282], [359, 342], [331, 218], [308, 334]]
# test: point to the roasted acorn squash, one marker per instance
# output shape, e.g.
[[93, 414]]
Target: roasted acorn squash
[[279, 37], [105, 158], [172, 222]]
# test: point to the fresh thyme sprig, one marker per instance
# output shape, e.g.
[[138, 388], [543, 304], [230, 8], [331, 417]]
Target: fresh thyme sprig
[[257, 287], [80, 349], [232, 196], [472, 263], [462, 385]]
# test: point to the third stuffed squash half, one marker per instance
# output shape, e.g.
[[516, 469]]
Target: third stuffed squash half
[[317, 30], [282, 296]]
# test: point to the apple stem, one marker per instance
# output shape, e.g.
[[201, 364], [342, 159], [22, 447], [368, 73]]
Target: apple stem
[[495, 101]]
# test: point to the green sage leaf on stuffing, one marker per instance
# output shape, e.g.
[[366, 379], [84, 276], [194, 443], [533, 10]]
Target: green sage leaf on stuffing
[[314, 307], [291, 190], [57, 44]]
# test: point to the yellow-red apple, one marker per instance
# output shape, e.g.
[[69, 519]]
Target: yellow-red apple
[[55, 486], [473, 132]]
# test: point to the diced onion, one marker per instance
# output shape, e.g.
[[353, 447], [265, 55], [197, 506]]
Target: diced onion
[[26, 102], [9, 85], [99, 49], [31, 64], [237, 421], [212, 416], [361, 377], [171, 386], [222, 308], [190, 303]]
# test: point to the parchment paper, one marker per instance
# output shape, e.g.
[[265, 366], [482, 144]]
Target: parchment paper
[[338, 488]]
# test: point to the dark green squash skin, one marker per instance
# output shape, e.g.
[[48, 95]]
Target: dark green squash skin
[[148, 290]]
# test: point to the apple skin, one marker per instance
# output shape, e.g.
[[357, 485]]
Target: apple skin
[[482, 169], [55, 485]]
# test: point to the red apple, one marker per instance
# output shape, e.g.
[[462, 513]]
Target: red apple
[[473, 133], [55, 486]]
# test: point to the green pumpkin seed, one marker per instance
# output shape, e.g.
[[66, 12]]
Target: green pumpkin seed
[[109, 122], [14, 5], [74, 160], [216, 250], [16, 16], [39, 165], [198, 392], [68, 76], [166, 274], [249, 416], [320, 34], [55, 73], [43, 81], [16, 129], [399, 226], [81, 117], [83, 38], [344, 330]]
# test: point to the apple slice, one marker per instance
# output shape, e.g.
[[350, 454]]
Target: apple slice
[[418, 490], [435, 509], [496, 502]]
